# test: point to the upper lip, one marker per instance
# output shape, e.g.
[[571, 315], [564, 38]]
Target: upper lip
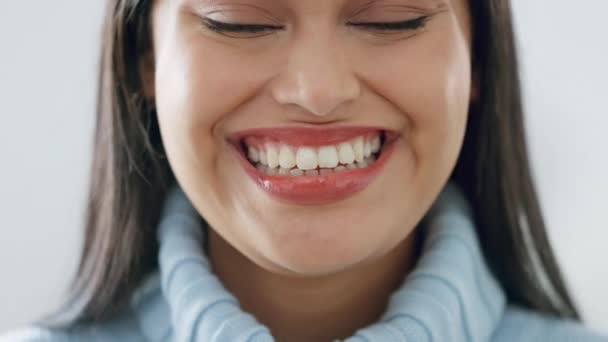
[[305, 136]]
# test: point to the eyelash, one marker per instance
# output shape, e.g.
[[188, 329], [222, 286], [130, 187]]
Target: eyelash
[[412, 24]]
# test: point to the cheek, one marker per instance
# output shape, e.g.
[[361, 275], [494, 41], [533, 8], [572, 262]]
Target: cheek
[[196, 91], [200, 87], [430, 86]]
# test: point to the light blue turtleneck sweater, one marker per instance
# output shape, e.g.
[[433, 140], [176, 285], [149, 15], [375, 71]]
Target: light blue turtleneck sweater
[[449, 296]]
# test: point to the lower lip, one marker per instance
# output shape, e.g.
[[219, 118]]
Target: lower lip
[[319, 189]]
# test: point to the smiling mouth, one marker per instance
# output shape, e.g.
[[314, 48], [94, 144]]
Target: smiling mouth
[[313, 166], [276, 158]]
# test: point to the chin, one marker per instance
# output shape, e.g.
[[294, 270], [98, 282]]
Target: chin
[[314, 256]]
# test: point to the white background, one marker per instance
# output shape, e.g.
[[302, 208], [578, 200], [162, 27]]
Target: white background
[[48, 56]]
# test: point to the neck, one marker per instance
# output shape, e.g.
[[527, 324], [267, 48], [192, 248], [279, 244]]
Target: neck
[[316, 308]]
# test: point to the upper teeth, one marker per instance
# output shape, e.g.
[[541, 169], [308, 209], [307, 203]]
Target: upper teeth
[[276, 155]]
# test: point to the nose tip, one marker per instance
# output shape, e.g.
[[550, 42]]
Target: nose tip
[[319, 96], [317, 79]]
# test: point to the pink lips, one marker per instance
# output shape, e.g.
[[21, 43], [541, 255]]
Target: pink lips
[[313, 189]]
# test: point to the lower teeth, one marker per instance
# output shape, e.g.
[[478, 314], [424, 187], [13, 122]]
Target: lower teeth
[[295, 172]]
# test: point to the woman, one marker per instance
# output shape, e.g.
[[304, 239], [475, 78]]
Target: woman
[[312, 171]]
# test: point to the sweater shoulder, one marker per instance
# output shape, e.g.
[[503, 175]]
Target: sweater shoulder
[[121, 329], [519, 324], [34, 334], [145, 319]]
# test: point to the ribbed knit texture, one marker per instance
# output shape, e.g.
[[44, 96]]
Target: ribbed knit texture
[[449, 296]]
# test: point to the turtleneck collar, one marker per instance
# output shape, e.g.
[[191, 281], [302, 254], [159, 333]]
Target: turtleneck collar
[[450, 295]]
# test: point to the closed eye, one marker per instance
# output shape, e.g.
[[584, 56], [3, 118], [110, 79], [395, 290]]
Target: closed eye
[[219, 26], [223, 27], [412, 24]]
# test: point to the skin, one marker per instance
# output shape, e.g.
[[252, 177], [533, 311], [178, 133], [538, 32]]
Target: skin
[[311, 272]]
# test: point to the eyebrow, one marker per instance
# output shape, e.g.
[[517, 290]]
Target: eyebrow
[[437, 3], [440, 3]]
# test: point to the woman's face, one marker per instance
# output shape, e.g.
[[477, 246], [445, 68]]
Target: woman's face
[[268, 131]]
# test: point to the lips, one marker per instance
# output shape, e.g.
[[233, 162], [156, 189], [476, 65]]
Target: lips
[[315, 186]]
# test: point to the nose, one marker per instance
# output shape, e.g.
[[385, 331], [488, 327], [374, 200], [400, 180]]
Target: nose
[[317, 77]]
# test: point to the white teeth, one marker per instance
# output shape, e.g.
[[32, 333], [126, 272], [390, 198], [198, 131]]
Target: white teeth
[[287, 159], [263, 159], [313, 172], [375, 144], [328, 157], [358, 147], [306, 158], [272, 171], [253, 154], [296, 172], [346, 154], [272, 156], [358, 152], [367, 149]]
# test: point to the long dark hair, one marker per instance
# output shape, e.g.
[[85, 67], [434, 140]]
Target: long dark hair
[[130, 175]]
